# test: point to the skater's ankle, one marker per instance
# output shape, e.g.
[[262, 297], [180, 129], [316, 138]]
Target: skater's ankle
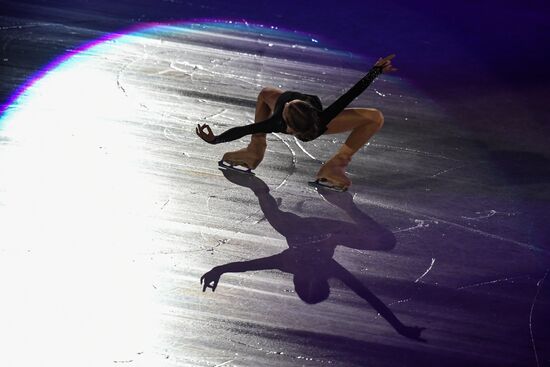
[[257, 147], [345, 153], [342, 157], [258, 139]]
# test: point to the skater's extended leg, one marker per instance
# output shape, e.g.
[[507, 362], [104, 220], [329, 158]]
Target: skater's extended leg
[[363, 123], [253, 154]]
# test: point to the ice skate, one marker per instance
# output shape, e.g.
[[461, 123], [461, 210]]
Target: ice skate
[[247, 159], [235, 167], [332, 175]]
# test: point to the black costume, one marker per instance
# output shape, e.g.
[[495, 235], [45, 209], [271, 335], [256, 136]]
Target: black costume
[[276, 123]]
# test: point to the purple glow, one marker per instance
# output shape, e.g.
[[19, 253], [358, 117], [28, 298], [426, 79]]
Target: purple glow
[[139, 28], [63, 58]]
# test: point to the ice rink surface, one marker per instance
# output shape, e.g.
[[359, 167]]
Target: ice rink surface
[[111, 210]]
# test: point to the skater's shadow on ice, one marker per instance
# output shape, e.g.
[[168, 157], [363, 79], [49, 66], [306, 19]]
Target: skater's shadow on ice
[[311, 243]]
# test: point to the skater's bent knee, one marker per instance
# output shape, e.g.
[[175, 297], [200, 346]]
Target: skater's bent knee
[[269, 96], [265, 91], [378, 118], [372, 118]]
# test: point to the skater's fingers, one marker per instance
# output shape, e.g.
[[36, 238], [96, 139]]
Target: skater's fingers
[[207, 128], [385, 62], [201, 132], [210, 284]]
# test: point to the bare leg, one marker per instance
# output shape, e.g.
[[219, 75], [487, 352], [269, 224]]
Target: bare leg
[[253, 154], [363, 123]]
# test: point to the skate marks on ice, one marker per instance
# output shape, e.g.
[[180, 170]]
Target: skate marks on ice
[[299, 238], [541, 351], [311, 243], [426, 272], [294, 161], [425, 223], [323, 147], [161, 186]]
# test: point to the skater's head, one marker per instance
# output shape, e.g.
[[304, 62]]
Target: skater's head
[[311, 289], [302, 120]]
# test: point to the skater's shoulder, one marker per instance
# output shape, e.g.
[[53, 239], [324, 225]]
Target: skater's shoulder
[[270, 95], [291, 95], [271, 90], [294, 95]]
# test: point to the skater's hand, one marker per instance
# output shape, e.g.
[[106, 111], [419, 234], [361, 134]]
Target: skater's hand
[[412, 332], [207, 136], [211, 279], [385, 63]]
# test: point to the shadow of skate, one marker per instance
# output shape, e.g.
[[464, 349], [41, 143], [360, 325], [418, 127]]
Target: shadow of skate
[[311, 243]]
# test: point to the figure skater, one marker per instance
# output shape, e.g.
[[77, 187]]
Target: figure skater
[[303, 116], [311, 243]]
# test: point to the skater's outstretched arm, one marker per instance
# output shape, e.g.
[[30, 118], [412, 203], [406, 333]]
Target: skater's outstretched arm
[[382, 65], [362, 122], [211, 278], [274, 124], [264, 123], [351, 281]]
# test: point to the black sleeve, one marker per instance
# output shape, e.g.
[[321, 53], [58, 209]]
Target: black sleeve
[[334, 109], [263, 263], [274, 124]]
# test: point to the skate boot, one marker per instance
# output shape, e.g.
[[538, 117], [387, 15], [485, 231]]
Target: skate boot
[[248, 158], [332, 174]]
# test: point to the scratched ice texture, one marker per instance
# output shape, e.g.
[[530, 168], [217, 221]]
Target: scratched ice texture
[[112, 209]]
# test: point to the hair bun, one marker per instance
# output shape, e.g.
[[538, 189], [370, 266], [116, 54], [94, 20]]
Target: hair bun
[[305, 120]]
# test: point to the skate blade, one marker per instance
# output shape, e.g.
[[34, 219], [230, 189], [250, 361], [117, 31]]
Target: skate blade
[[246, 171], [324, 184]]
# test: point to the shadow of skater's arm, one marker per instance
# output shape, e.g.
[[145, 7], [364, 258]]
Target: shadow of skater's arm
[[211, 278], [281, 221], [339, 272]]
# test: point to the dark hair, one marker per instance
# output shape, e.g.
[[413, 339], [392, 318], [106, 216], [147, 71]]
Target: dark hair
[[311, 289], [305, 120]]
